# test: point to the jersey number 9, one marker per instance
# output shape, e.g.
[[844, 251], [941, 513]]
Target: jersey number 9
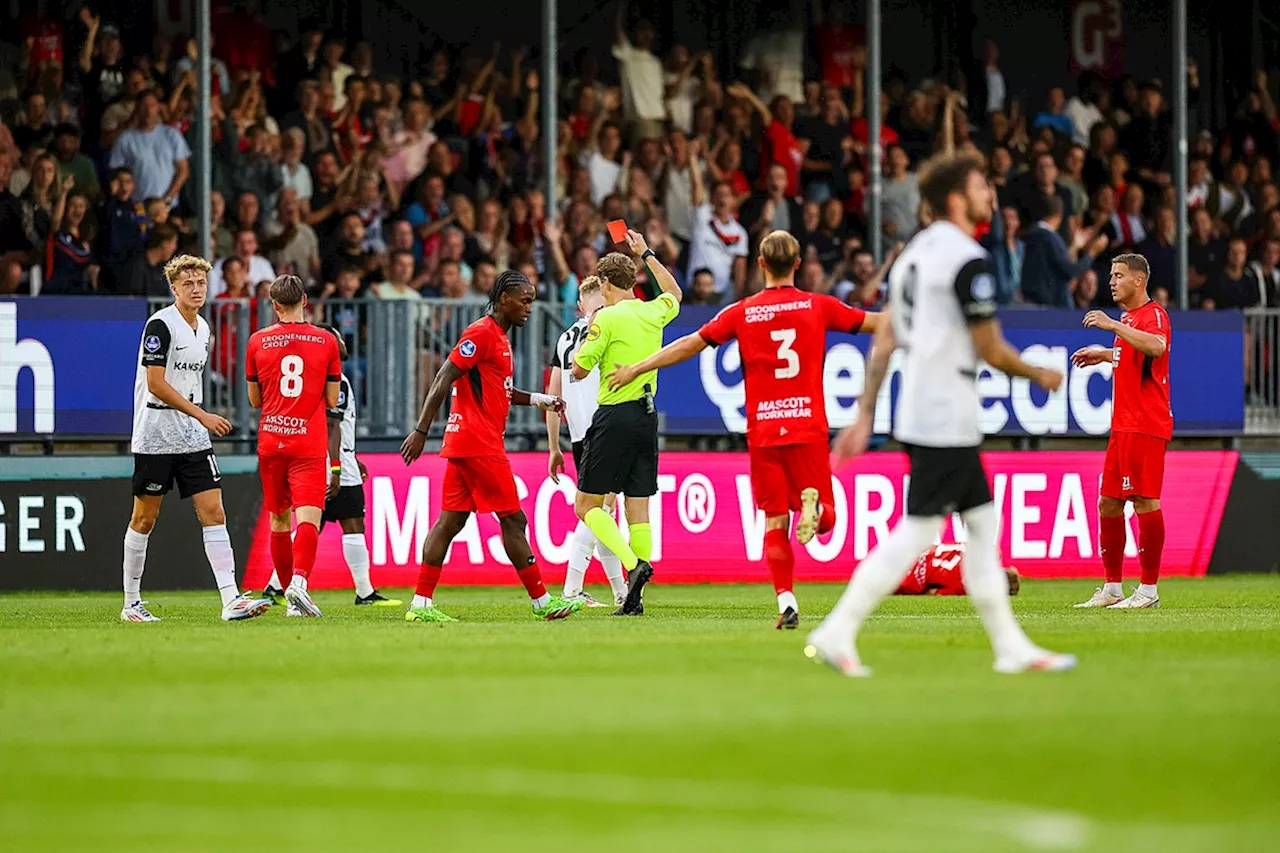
[[791, 359], [291, 376]]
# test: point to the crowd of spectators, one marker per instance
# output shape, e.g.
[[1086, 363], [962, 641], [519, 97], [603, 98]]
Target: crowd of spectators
[[376, 187]]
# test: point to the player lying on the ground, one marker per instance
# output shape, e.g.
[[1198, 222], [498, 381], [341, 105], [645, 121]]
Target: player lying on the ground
[[781, 334], [477, 475], [171, 442], [1141, 427], [939, 571], [344, 498], [581, 399]]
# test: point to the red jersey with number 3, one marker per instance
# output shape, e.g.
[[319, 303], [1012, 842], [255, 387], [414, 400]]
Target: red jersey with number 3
[[1140, 396], [482, 396], [782, 341], [292, 363]]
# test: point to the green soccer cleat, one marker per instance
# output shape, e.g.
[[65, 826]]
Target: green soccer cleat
[[557, 608], [428, 614]]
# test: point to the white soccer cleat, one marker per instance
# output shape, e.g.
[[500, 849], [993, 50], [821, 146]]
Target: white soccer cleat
[[1038, 660], [243, 607], [588, 600], [1101, 598], [836, 654], [621, 598], [299, 598], [137, 612], [1138, 599], [810, 512], [290, 610]]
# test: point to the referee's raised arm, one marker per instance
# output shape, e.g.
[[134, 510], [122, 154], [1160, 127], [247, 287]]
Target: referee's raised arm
[[636, 241]]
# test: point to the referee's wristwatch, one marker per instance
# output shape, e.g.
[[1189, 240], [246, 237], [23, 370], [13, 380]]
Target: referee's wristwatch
[[646, 255]]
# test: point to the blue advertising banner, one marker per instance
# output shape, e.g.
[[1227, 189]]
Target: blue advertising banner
[[705, 395], [67, 364]]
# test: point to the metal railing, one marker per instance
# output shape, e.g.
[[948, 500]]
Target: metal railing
[[394, 349], [1262, 371]]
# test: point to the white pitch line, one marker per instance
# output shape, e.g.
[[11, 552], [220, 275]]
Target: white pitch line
[[1032, 827]]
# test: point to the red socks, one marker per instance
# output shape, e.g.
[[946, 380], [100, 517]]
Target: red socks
[[282, 555], [1150, 544], [1111, 539], [779, 557], [428, 577], [826, 520], [305, 539], [531, 577]]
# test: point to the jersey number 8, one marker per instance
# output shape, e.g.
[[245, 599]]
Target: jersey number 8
[[291, 376], [785, 338]]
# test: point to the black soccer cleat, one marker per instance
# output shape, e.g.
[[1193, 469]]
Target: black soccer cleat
[[275, 596], [633, 605], [376, 599], [788, 619]]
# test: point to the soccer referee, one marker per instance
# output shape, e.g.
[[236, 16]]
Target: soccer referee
[[620, 453]]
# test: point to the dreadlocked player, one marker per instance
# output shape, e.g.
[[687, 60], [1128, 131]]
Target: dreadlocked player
[[477, 475]]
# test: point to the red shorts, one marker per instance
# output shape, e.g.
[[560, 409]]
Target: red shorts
[[480, 484], [289, 482], [780, 474], [1134, 467]]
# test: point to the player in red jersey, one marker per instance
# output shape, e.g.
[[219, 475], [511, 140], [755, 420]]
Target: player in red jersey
[[294, 373], [1141, 427], [478, 478], [938, 572], [781, 334]]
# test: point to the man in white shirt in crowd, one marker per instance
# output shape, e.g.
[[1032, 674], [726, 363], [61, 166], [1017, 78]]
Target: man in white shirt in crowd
[[246, 249], [156, 154], [642, 84], [777, 57], [720, 243]]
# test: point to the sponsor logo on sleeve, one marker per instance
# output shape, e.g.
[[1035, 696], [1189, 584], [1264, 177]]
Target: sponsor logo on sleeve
[[151, 343], [984, 287], [594, 332], [467, 348]]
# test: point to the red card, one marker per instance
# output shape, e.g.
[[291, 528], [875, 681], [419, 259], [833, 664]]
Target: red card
[[618, 231]]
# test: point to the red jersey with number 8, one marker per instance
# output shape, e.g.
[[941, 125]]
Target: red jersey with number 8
[[782, 335], [292, 363]]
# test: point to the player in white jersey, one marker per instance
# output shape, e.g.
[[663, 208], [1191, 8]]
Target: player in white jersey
[[171, 442], [942, 308], [344, 498], [580, 403]]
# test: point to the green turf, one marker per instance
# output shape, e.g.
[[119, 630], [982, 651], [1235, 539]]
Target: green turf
[[695, 728]]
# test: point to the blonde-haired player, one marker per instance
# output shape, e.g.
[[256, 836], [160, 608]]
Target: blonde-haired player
[[171, 441], [580, 401]]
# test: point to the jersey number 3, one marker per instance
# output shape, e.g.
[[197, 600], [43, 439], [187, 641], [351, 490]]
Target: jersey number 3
[[791, 367], [291, 376]]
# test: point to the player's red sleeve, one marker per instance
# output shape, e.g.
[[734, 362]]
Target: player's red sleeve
[[333, 373], [251, 360], [723, 327], [841, 317], [471, 350], [1157, 323]]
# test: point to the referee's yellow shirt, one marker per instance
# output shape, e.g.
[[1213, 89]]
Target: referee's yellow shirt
[[626, 333]]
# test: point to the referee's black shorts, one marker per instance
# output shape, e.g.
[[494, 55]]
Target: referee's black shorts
[[945, 480], [620, 452]]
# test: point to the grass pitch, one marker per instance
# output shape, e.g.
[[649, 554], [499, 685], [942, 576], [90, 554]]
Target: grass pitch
[[694, 728]]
